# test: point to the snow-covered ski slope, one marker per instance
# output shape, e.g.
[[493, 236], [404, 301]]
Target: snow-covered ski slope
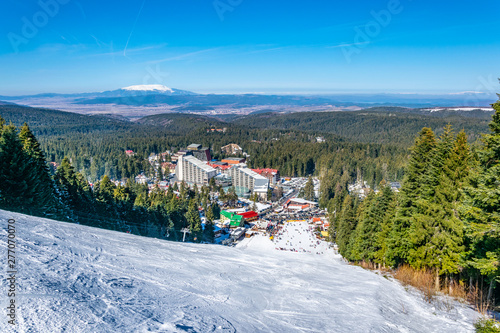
[[74, 278]]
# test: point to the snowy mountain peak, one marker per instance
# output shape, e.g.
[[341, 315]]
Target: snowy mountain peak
[[149, 87]]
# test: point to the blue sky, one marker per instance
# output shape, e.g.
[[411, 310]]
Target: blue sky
[[249, 45]]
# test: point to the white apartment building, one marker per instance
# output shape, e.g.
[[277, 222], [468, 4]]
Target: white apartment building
[[244, 177], [193, 171]]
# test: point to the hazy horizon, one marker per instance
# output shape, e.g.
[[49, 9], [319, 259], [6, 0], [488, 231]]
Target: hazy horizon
[[284, 92]]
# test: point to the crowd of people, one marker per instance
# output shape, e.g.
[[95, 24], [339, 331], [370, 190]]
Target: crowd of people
[[296, 236]]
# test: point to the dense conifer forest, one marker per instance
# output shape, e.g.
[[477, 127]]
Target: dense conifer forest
[[445, 218], [384, 125]]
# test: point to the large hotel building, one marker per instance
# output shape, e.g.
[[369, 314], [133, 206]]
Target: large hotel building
[[247, 179], [193, 171]]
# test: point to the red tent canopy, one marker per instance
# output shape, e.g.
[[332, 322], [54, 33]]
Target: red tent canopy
[[249, 215]]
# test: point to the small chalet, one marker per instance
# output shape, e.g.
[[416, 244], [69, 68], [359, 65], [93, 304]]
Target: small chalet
[[234, 219]]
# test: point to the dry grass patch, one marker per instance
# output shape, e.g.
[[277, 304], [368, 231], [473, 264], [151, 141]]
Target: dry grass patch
[[423, 280]]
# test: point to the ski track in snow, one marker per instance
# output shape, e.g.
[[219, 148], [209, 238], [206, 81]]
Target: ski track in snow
[[73, 278]]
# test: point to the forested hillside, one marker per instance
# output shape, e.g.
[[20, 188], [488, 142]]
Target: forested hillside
[[173, 122], [96, 144], [27, 186], [445, 219], [96, 148], [378, 125]]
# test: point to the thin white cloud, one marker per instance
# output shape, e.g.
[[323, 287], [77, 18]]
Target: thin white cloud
[[267, 50], [348, 44], [133, 28], [129, 51], [183, 56]]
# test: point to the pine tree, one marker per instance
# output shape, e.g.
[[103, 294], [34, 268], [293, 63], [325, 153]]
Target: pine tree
[[104, 191], [210, 214], [436, 230], [368, 242], [170, 193], [309, 189], [211, 184], [74, 189], [183, 191], [437, 157], [46, 199], [120, 194], [347, 225], [254, 198], [481, 209], [194, 220], [17, 176], [412, 190], [335, 208], [357, 241], [209, 232], [141, 200], [216, 210], [382, 237]]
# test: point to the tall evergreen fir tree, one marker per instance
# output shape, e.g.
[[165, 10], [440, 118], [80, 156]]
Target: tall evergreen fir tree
[[211, 184], [437, 158], [209, 214], [209, 232], [371, 222], [183, 191], [481, 209], [194, 220], [346, 225], [382, 237], [411, 192], [354, 251], [436, 232], [309, 189], [104, 190], [121, 194], [75, 191], [216, 210], [47, 201], [334, 210], [17, 176]]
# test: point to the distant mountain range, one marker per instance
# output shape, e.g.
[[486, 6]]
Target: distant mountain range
[[141, 100], [345, 100], [131, 91]]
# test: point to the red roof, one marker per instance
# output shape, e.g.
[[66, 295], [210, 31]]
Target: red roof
[[266, 170], [222, 167], [249, 215]]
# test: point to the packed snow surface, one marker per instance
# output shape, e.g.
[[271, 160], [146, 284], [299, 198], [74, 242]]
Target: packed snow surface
[[149, 87], [297, 236], [73, 278]]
